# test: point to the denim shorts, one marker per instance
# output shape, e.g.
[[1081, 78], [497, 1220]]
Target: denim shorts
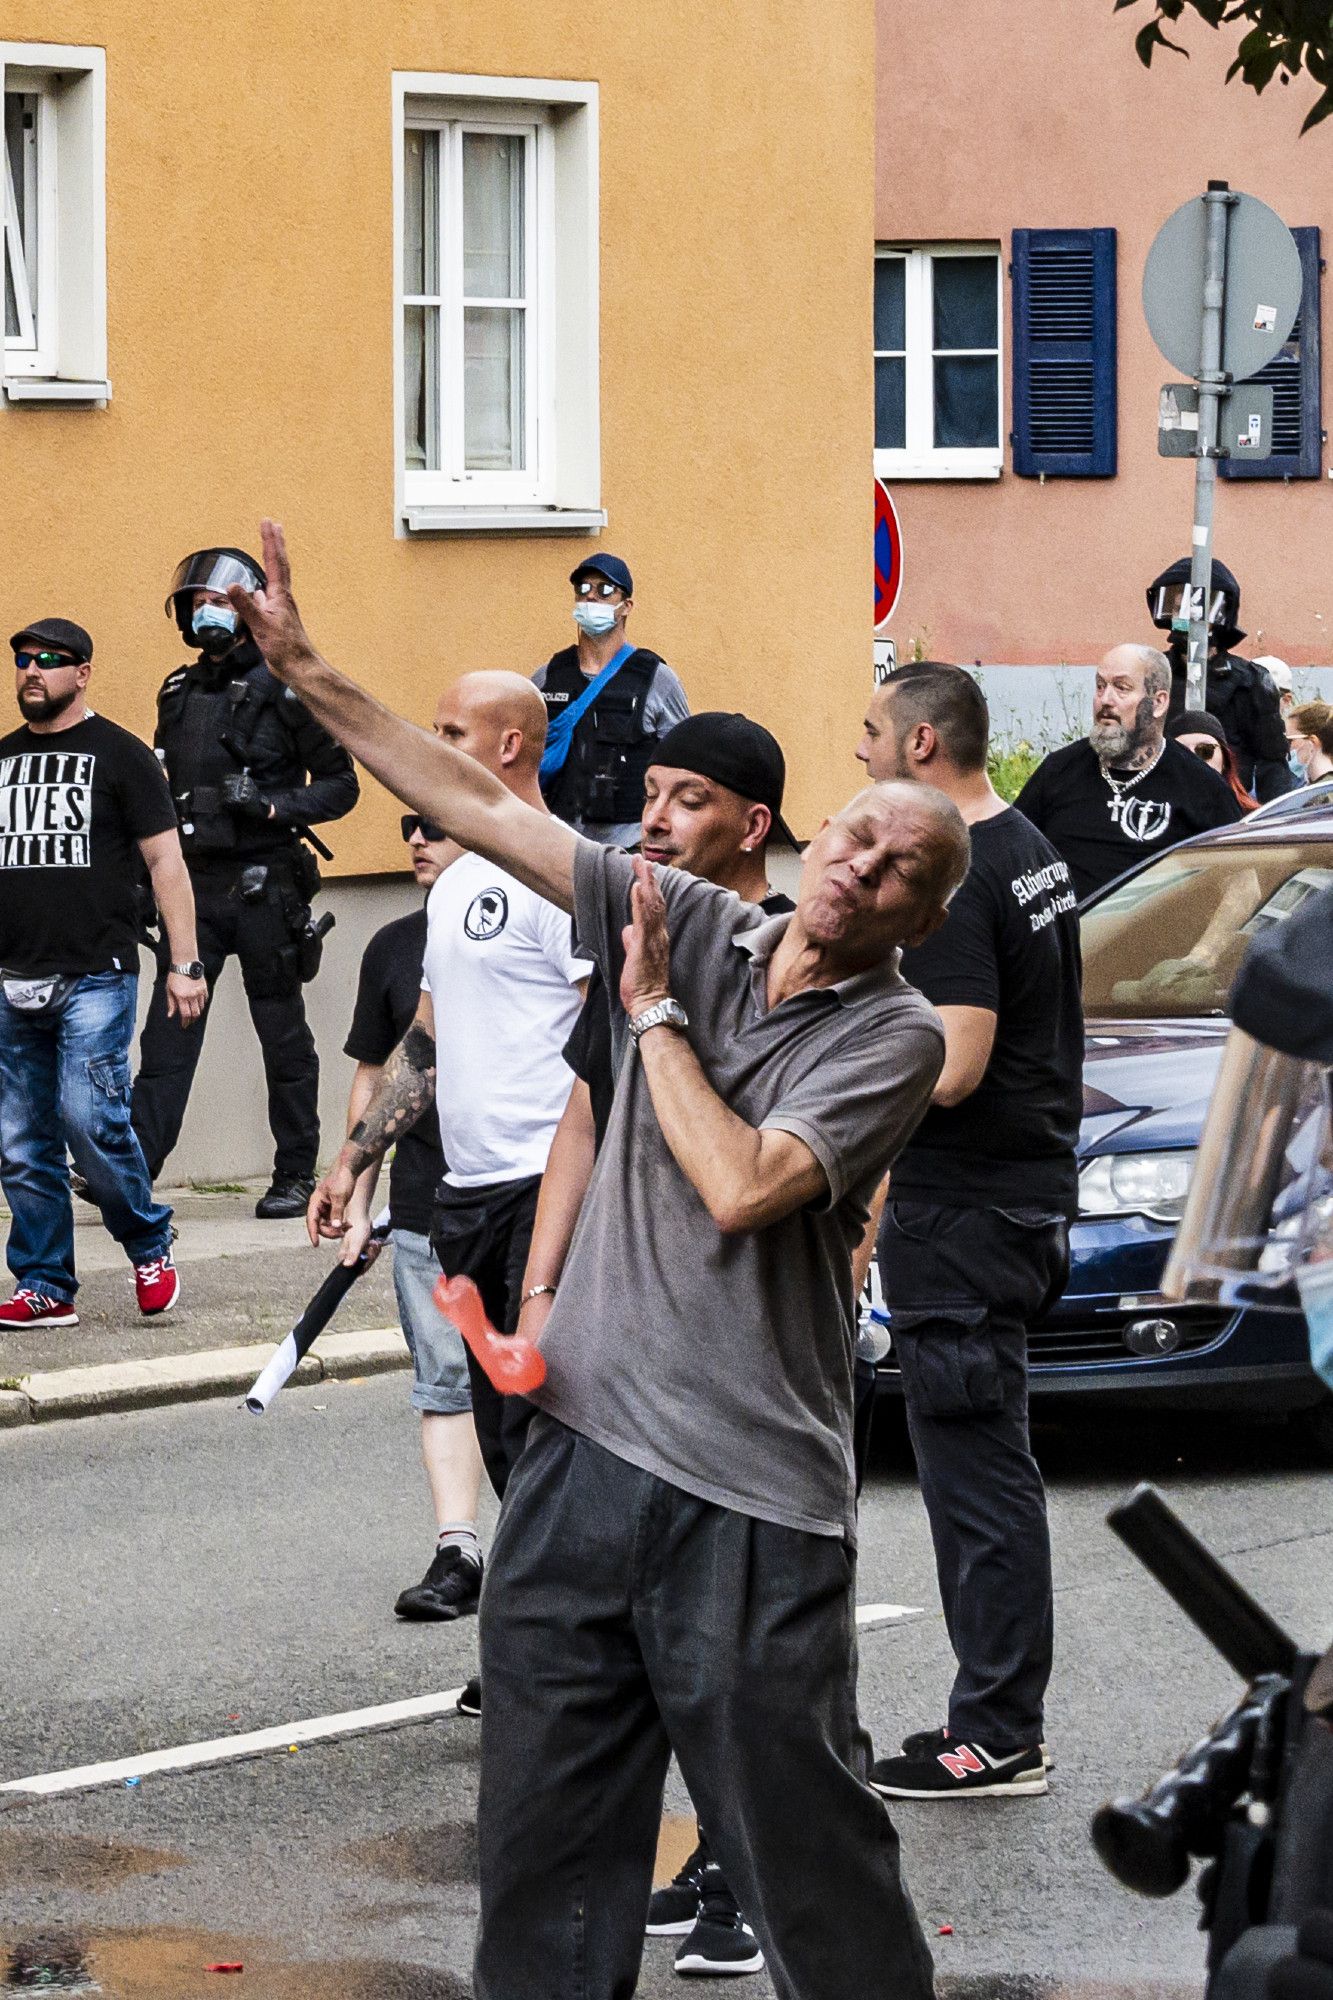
[[438, 1358]]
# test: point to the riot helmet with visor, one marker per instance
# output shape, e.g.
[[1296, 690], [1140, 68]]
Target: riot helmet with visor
[[212, 570]]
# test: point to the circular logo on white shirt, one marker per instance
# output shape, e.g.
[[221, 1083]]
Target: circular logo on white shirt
[[487, 915]]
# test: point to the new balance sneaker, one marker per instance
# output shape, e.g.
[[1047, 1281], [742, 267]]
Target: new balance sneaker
[[929, 1743], [469, 1701], [960, 1770], [157, 1285], [449, 1589], [29, 1308], [720, 1941], [673, 1910]]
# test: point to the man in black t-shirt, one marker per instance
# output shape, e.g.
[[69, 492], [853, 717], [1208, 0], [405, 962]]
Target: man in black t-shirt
[[1125, 793], [388, 997], [83, 804], [712, 798], [974, 1241]]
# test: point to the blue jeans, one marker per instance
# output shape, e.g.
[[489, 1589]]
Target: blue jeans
[[65, 1081], [440, 1384]]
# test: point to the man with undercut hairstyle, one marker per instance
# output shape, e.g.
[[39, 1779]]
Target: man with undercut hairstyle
[[674, 1565], [500, 962], [974, 1243], [1125, 793]]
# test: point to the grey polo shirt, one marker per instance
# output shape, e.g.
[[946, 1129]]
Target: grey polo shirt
[[723, 1364]]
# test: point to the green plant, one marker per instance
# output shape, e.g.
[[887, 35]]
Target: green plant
[[219, 1187], [1011, 765]]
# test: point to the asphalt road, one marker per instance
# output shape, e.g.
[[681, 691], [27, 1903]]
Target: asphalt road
[[175, 1575]]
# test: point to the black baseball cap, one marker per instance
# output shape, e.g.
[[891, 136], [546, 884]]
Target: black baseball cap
[[732, 751], [610, 567], [62, 633]]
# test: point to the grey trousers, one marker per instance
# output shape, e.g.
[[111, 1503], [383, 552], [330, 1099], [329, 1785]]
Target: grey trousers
[[621, 1619]]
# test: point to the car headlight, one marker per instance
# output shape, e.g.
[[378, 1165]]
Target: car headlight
[[1153, 1184]]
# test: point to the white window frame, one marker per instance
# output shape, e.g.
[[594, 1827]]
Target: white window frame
[[920, 457], [560, 484], [63, 359]]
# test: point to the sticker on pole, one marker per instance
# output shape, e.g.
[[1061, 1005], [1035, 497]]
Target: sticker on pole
[[888, 556]]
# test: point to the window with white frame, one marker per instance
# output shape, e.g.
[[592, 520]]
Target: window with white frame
[[937, 361], [497, 304], [54, 222]]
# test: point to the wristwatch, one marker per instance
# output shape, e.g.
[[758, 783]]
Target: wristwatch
[[665, 1014], [194, 970]]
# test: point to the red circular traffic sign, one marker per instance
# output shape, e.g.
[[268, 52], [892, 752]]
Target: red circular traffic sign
[[888, 555]]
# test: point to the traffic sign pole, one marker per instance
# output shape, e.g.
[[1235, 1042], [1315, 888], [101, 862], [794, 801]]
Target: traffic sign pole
[[1213, 384]]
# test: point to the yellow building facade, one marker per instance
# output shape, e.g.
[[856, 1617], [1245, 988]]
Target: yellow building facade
[[459, 294]]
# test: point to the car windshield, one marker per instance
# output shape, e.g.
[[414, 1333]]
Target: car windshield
[[1168, 943]]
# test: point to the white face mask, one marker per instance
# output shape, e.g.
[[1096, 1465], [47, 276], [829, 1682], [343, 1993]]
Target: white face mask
[[595, 619]]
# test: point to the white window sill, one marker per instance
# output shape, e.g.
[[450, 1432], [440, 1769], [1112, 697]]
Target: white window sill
[[423, 519], [39, 389], [939, 465]]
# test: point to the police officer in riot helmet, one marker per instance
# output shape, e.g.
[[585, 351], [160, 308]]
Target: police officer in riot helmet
[[250, 771], [1240, 693], [608, 705]]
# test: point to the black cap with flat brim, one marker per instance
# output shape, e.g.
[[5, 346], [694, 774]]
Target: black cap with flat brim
[[61, 633], [732, 751]]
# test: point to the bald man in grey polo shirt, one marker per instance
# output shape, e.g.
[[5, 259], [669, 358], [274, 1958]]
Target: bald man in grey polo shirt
[[675, 1557]]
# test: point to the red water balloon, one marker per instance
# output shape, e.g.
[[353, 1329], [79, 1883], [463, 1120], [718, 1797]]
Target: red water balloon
[[511, 1364]]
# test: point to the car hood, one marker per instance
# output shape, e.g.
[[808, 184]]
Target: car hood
[[1146, 1084]]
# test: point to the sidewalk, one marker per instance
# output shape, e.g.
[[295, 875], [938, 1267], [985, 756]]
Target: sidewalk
[[243, 1282]]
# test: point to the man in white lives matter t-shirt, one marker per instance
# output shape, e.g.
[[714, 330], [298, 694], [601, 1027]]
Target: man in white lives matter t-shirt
[[501, 990]]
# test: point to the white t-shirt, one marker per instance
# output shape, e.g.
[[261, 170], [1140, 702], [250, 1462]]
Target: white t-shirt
[[501, 972]]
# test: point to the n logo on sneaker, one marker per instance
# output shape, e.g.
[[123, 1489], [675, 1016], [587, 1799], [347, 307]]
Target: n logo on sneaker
[[962, 1762]]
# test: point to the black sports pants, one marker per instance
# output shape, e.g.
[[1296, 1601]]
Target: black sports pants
[[484, 1233], [621, 1619], [962, 1286]]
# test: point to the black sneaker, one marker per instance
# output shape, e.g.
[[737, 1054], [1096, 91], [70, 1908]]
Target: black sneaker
[[287, 1196], [721, 1941], [449, 1589], [959, 1770], [469, 1701], [672, 1911], [929, 1743]]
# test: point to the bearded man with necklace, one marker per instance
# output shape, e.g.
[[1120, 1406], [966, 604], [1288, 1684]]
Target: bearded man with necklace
[[1124, 793]]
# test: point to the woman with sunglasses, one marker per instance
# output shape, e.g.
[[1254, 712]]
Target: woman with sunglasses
[[1195, 730]]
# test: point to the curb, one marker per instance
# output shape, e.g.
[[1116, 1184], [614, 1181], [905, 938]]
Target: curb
[[192, 1378]]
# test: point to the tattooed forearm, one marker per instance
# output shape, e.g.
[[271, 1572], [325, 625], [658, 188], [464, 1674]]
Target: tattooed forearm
[[405, 1088]]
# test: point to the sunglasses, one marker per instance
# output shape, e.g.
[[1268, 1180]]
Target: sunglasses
[[46, 663], [591, 586], [1208, 751], [413, 823]]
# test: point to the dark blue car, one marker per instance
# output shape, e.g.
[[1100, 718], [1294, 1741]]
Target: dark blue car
[[1161, 947]]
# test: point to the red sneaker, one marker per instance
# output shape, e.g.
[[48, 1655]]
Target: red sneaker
[[29, 1308], [157, 1285]]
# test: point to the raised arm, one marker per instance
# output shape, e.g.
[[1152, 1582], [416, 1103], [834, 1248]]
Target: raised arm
[[428, 775]]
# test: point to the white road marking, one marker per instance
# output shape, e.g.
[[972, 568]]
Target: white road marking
[[868, 1616], [223, 1749], [317, 1729]]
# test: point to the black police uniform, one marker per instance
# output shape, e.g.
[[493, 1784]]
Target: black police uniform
[[601, 780], [234, 742], [1239, 693]]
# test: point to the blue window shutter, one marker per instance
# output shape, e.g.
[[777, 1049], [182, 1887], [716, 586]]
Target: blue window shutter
[[1297, 418], [1064, 401]]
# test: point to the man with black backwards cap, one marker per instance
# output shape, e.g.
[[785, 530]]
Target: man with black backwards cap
[[712, 798], [250, 771], [1240, 693], [82, 805], [607, 704]]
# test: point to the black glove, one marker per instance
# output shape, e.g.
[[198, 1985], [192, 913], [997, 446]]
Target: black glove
[[241, 795], [1309, 1975]]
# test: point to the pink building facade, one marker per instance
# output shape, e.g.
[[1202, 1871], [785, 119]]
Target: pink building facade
[[1025, 162]]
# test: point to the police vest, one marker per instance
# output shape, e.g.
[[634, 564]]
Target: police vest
[[601, 780], [213, 721]]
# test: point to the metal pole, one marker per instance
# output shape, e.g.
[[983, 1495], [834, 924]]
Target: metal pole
[[1212, 386]]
